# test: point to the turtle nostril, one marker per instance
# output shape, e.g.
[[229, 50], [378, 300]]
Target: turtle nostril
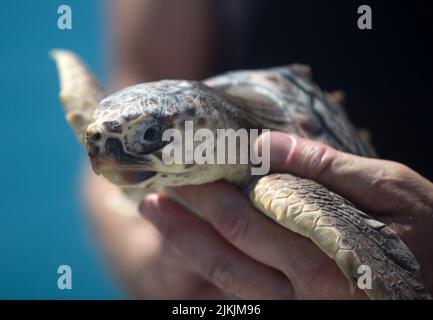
[[93, 136], [96, 136]]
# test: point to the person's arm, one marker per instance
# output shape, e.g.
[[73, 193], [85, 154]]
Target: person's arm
[[162, 39], [145, 264], [241, 244]]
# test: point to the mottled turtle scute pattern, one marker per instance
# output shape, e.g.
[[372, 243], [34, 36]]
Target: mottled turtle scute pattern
[[344, 233], [286, 99], [131, 102], [168, 101], [282, 98]]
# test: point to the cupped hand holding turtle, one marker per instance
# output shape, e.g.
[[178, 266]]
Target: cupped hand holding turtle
[[249, 256]]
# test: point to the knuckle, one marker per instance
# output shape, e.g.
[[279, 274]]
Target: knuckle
[[230, 222], [391, 175], [400, 171], [320, 159]]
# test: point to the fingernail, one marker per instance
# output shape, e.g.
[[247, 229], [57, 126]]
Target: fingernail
[[147, 207], [280, 144], [170, 192]]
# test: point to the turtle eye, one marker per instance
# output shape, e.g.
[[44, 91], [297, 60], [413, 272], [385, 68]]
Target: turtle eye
[[152, 134]]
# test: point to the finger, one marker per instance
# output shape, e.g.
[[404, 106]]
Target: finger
[[211, 255], [232, 215], [379, 185]]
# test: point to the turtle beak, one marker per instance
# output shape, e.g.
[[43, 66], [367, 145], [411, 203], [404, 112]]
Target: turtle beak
[[108, 157]]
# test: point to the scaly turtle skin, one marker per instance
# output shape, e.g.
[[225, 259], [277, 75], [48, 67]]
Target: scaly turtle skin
[[123, 138]]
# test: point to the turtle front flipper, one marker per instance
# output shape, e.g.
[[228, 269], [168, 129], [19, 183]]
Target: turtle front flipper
[[79, 91], [347, 235]]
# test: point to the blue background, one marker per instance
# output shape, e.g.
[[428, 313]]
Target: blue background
[[42, 222]]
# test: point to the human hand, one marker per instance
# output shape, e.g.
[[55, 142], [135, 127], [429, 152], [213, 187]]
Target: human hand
[[147, 266], [243, 252]]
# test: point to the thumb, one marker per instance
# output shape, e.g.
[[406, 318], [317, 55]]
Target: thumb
[[304, 158], [363, 181]]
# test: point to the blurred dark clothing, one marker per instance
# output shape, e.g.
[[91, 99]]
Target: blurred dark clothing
[[387, 72]]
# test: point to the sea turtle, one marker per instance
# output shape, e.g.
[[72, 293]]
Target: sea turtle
[[122, 134]]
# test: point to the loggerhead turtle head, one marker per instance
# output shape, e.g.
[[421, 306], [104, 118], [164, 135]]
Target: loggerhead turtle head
[[125, 141]]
